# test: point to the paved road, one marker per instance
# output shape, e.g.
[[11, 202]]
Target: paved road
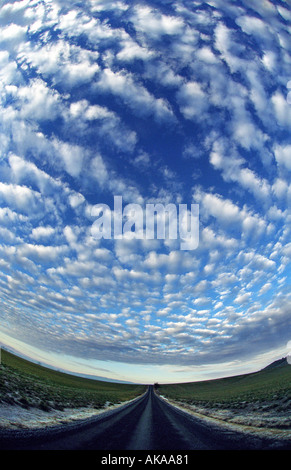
[[149, 423]]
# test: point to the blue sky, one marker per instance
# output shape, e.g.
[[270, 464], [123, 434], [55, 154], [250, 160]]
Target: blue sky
[[157, 102]]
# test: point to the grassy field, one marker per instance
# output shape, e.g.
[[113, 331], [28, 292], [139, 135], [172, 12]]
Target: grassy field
[[270, 386], [30, 385]]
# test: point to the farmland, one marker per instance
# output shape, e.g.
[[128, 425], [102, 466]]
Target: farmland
[[29, 385], [261, 399]]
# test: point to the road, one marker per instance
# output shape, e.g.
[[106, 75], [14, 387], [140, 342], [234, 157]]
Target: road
[[148, 423]]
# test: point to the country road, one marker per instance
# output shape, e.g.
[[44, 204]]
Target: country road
[[148, 423]]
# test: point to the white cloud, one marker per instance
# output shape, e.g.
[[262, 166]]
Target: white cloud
[[62, 61], [99, 170], [37, 101], [205, 54], [76, 23], [12, 34], [233, 169], [265, 288], [72, 156], [281, 108], [264, 8], [284, 12], [132, 50], [134, 95], [243, 298], [154, 24], [13, 11], [283, 155], [23, 171], [255, 27], [20, 198], [230, 215], [107, 124], [8, 216], [184, 46], [211, 240], [173, 262], [41, 252], [76, 199], [280, 188], [162, 73], [100, 5], [192, 100], [8, 236], [8, 69], [256, 261], [226, 45], [246, 133], [42, 232], [270, 60]]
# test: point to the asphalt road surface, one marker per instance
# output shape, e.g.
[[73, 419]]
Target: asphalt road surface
[[148, 423]]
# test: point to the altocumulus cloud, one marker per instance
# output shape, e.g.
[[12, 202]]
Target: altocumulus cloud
[[157, 102]]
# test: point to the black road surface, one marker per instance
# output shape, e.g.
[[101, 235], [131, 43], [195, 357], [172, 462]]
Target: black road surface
[[148, 423]]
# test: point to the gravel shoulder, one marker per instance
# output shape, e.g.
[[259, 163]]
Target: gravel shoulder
[[15, 417], [260, 423]]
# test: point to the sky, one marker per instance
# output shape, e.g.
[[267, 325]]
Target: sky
[[159, 102]]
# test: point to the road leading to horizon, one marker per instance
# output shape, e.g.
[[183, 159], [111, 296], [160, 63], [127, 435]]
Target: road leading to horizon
[[148, 423]]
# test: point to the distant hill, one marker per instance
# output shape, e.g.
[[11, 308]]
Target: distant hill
[[28, 360], [271, 383], [278, 363], [101, 378]]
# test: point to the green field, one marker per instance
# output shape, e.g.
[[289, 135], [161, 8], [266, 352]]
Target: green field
[[271, 385], [30, 385]]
